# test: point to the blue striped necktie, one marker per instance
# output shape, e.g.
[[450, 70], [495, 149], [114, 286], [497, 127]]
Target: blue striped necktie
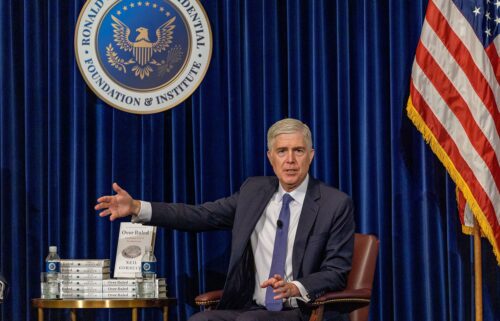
[[279, 252]]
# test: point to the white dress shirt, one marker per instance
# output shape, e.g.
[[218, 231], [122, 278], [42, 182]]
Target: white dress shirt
[[263, 236], [262, 239]]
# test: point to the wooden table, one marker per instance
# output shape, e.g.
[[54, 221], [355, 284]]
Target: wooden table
[[133, 304]]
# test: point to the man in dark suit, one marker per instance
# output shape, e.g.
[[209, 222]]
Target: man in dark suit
[[292, 235]]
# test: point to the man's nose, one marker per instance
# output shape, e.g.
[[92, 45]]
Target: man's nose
[[290, 157]]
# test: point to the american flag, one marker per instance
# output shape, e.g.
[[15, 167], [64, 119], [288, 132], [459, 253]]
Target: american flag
[[454, 102]]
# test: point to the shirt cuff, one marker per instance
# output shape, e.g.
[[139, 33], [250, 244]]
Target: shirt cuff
[[144, 215], [303, 292]]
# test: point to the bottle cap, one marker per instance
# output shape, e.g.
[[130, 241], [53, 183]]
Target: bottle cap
[[53, 249], [148, 248]]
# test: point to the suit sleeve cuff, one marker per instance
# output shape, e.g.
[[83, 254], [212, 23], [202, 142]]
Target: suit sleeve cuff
[[144, 215], [303, 292]]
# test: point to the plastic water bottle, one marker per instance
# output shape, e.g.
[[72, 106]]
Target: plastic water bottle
[[52, 271], [53, 261], [148, 270], [148, 263]]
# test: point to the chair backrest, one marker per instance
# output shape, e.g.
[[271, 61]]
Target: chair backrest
[[364, 262]]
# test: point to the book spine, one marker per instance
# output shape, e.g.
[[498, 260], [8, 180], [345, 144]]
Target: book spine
[[84, 276], [118, 295], [81, 288], [73, 269], [160, 294], [85, 263], [118, 288], [119, 282], [82, 283], [83, 295]]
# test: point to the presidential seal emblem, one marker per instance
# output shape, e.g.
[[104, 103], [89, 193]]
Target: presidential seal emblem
[[143, 56]]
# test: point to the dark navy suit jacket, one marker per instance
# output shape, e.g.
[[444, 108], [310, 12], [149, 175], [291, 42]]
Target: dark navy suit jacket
[[323, 244]]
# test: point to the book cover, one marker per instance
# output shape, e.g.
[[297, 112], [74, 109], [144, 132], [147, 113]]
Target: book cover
[[132, 242]]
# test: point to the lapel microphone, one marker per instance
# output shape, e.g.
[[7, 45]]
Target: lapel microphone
[[279, 223]]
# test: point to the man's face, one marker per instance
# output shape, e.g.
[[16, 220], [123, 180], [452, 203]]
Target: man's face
[[290, 159]]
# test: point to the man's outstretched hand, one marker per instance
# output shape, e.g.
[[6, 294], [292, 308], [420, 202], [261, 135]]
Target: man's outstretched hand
[[119, 205]]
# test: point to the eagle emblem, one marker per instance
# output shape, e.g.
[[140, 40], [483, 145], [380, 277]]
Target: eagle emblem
[[143, 56], [143, 49]]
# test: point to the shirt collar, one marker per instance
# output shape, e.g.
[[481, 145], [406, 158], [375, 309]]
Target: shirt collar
[[298, 194]]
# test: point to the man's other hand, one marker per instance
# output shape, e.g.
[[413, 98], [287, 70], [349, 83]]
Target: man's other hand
[[282, 288]]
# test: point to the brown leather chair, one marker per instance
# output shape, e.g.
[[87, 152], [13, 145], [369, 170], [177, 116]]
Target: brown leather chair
[[354, 299]]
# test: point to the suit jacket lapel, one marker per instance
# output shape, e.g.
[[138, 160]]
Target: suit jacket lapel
[[254, 209], [239, 271], [306, 222]]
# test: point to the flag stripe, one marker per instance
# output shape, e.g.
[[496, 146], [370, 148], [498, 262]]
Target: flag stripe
[[453, 152], [455, 103], [429, 106], [492, 52], [459, 27], [448, 64], [464, 58]]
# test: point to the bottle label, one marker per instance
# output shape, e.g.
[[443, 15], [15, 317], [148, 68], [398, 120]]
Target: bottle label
[[148, 267], [52, 267]]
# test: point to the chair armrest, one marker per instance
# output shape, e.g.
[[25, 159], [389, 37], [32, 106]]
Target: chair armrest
[[345, 301], [208, 299]]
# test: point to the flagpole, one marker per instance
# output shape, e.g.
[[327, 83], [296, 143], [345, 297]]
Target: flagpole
[[478, 274]]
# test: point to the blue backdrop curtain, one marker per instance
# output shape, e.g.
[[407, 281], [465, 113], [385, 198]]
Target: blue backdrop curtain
[[341, 66]]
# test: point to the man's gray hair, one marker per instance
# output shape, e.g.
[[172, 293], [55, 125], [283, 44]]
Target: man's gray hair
[[289, 126]]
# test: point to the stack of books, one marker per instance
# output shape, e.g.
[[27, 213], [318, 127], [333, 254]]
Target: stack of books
[[161, 288], [90, 279], [83, 279], [119, 289], [127, 289]]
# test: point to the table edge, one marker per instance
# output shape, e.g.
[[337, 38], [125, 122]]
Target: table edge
[[101, 303]]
